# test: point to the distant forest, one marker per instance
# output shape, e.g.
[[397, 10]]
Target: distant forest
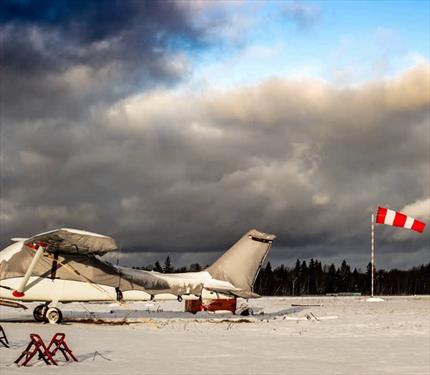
[[313, 278]]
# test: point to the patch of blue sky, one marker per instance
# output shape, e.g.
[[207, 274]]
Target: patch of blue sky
[[342, 42]]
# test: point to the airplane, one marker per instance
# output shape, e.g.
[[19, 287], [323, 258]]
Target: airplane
[[65, 265]]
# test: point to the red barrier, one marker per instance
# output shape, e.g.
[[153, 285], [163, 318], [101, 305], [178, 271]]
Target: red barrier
[[37, 346], [228, 304]]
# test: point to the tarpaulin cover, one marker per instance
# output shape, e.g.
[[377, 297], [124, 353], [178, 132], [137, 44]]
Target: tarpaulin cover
[[74, 241], [241, 263]]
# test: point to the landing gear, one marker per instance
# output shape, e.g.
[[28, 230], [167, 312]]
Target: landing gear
[[39, 313], [53, 315], [43, 313]]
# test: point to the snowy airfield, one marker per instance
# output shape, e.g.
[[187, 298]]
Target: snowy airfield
[[344, 335]]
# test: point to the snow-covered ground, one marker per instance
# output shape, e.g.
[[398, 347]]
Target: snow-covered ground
[[346, 335]]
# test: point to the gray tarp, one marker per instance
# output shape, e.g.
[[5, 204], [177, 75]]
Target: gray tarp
[[73, 241], [241, 263], [75, 250]]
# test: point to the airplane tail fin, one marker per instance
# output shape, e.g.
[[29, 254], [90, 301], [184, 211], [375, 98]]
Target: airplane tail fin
[[242, 262]]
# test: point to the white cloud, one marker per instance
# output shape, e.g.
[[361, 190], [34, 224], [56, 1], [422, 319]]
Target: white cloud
[[420, 209]]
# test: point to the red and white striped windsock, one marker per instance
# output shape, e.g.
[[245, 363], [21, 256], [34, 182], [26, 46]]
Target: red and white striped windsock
[[398, 219]]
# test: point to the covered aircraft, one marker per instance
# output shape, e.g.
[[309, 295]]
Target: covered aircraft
[[64, 265]]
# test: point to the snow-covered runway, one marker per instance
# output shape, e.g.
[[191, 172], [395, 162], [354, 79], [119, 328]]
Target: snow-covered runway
[[345, 335]]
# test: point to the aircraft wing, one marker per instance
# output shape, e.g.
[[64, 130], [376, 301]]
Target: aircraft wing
[[74, 241], [76, 261]]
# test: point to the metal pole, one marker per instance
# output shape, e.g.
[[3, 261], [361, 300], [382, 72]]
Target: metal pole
[[373, 254]]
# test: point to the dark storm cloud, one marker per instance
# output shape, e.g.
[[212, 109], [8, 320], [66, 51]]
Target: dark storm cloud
[[74, 54], [146, 23], [90, 20]]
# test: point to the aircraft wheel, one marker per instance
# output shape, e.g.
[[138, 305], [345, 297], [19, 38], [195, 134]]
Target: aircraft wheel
[[53, 315], [39, 313]]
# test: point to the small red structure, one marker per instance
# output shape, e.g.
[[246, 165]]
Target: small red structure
[[228, 304], [37, 346], [3, 338]]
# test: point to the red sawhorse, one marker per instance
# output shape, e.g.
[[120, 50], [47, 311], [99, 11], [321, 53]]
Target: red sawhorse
[[3, 338], [35, 346], [47, 353]]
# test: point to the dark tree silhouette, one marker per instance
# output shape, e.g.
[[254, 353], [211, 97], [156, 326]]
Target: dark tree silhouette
[[316, 279], [195, 267], [167, 268], [157, 267]]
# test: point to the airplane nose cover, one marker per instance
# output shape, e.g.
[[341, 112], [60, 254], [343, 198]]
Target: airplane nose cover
[[74, 241]]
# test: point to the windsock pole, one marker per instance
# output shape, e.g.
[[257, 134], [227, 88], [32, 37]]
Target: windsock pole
[[373, 255]]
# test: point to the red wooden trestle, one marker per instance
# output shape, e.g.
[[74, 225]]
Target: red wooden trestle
[[46, 353]]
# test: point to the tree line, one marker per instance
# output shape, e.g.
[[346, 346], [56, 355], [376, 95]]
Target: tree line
[[313, 278]]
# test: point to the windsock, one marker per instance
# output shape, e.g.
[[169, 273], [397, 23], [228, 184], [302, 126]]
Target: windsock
[[398, 219]]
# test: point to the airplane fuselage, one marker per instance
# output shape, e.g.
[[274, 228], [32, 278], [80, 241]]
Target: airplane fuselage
[[49, 287], [64, 265]]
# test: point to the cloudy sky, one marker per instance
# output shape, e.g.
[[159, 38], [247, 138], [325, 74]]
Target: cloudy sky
[[176, 126]]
